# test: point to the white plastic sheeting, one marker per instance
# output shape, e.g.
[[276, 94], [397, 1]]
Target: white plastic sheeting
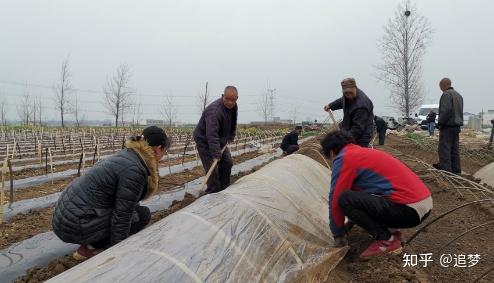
[[486, 174], [270, 226]]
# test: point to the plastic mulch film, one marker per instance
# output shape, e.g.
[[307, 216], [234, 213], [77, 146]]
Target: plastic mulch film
[[486, 174], [270, 226]]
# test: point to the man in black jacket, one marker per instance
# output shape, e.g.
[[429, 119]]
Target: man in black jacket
[[450, 121], [431, 122], [289, 144], [381, 128], [101, 208], [358, 115], [214, 130], [492, 135]]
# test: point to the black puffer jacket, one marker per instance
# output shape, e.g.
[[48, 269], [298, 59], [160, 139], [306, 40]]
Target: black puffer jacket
[[358, 117], [100, 203]]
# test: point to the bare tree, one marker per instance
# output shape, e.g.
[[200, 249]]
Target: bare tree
[[62, 91], [24, 109], [35, 108], [403, 46], [76, 111], [169, 110], [203, 99], [3, 113], [265, 107], [118, 94], [40, 108], [136, 113]]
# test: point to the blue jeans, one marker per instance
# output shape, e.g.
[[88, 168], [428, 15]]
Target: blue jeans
[[431, 127]]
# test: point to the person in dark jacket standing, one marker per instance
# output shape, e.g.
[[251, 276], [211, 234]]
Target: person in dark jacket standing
[[375, 191], [101, 208], [381, 128], [431, 122], [214, 130], [289, 144], [358, 115], [449, 123], [489, 145]]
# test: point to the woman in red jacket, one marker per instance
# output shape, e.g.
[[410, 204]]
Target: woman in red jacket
[[375, 191]]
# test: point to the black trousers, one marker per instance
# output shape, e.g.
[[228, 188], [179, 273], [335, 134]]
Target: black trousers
[[220, 178], [382, 136], [291, 149], [376, 214], [449, 149], [140, 219]]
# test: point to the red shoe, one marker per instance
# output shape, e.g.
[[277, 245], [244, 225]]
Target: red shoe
[[381, 247], [85, 252], [397, 235]]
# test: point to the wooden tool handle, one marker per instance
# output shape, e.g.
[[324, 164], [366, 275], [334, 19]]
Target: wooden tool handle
[[210, 171]]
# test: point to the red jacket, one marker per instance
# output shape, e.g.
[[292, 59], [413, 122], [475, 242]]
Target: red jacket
[[374, 172]]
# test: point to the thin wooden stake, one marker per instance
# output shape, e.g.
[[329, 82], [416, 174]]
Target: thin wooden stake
[[13, 150], [40, 154], [51, 164], [94, 153], [46, 161], [2, 193], [11, 177], [83, 161], [80, 164]]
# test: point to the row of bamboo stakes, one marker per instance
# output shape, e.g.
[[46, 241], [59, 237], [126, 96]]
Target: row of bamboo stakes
[[48, 156]]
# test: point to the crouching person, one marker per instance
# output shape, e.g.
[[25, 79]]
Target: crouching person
[[375, 191], [289, 144], [101, 208]]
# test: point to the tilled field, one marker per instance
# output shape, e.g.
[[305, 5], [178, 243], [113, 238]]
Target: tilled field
[[391, 268], [386, 268], [24, 226]]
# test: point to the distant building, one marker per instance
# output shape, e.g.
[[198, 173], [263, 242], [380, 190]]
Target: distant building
[[275, 121], [486, 117]]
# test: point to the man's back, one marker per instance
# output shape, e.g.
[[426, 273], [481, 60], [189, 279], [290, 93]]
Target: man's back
[[378, 173], [289, 139], [451, 109]]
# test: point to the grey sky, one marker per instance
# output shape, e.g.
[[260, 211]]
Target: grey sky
[[304, 49]]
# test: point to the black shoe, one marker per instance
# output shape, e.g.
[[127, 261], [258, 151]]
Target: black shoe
[[437, 166], [348, 226]]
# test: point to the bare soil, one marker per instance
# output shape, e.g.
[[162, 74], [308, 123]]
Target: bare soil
[[386, 268], [390, 268], [24, 226]]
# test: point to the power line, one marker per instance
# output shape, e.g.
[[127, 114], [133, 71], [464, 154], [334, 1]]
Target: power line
[[97, 91]]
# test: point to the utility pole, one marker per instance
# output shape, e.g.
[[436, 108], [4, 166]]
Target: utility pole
[[271, 98]]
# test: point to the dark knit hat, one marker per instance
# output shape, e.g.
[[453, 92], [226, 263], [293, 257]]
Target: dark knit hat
[[155, 136]]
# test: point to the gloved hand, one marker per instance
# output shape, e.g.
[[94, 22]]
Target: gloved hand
[[340, 241]]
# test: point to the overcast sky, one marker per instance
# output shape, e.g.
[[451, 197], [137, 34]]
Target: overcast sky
[[303, 48]]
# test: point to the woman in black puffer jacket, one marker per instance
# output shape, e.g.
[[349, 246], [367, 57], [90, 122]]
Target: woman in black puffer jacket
[[101, 208]]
